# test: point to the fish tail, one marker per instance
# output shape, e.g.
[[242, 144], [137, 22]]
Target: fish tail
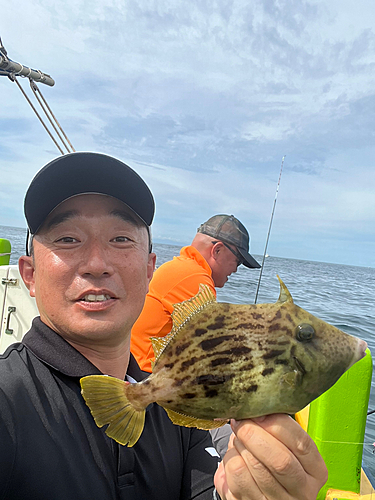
[[106, 398]]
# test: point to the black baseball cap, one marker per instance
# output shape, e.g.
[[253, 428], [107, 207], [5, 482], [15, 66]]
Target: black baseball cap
[[230, 230], [78, 173]]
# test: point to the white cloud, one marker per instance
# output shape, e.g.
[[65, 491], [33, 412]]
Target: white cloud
[[204, 99]]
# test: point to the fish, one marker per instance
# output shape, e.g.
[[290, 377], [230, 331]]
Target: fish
[[222, 361]]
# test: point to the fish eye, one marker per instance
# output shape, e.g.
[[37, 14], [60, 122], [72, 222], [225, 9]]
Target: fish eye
[[305, 332]]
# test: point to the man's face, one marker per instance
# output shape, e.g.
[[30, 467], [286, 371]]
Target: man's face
[[90, 270], [224, 264]]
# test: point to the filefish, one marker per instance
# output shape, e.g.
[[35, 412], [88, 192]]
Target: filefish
[[223, 361]]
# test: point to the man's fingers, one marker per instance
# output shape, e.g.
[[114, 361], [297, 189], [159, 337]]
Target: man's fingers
[[290, 433], [281, 446]]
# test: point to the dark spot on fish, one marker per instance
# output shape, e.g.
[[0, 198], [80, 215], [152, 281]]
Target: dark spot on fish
[[272, 354], [200, 331], [188, 395], [293, 350], [169, 401], [169, 365], [274, 327], [211, 379], [288, 317], [180, 381], [252, 388], [248, 367], [281, 361], [267, 371], [239, 351], [257, 316], [249, 326], [211, 393], [181, 348], [219, 323], [277, 315], [187, 363], [209, 344], [283, 342], [220, 361]]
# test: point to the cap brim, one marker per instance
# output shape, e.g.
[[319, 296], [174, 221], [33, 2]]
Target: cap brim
[[249, 261], [79, 173]]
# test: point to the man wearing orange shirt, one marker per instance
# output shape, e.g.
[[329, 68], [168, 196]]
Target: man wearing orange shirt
[[219, 247]]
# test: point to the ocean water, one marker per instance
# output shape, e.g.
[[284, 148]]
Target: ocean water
[[341, 295]]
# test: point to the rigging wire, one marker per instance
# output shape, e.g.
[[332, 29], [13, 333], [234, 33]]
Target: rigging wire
[[12, 69], [269, 230], [51, 117]]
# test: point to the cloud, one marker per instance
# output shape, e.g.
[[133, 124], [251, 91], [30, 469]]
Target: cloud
[[204, 99]]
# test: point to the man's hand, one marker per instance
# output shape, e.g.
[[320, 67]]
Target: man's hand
[[270, 458]]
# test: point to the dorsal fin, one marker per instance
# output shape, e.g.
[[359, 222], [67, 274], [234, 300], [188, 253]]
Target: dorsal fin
[[182, 313], [284, 292]]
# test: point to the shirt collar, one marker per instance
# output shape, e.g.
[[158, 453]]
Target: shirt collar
[[190, 252], [50, 348]]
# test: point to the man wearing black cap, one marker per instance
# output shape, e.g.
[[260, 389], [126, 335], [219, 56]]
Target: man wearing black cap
[[219, 247], [89, 267]]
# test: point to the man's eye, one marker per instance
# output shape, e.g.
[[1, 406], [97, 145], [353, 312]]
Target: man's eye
[[66, 239], [121, 239]]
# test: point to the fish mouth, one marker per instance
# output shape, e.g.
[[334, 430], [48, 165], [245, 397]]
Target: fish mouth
[[360, 351]]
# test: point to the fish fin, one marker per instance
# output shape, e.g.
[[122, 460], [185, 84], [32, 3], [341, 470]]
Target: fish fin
[[158, 344], [293, 379], [105, 396], [182, 313], [284, 292], [188, 421]]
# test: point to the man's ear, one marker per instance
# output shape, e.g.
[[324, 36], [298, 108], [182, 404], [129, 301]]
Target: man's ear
[[27, 271], [151, 265], [216, 249]]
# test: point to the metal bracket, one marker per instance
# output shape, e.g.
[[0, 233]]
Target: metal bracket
[[9, 281], [11, 309]]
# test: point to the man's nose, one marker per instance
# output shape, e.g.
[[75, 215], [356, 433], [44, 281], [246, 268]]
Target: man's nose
[[96, 260]]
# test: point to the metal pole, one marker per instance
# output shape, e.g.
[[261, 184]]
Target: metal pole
[[11, 68]]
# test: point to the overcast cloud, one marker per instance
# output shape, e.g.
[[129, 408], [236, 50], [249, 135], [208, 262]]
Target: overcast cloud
[[203, 99]]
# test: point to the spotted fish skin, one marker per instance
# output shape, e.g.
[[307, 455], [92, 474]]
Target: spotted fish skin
[[241, 361], [224, 361]]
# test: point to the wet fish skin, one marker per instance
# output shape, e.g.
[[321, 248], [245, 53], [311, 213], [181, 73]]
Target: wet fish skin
[[226, 361]]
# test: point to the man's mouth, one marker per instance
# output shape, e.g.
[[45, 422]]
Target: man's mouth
[[90, 297]]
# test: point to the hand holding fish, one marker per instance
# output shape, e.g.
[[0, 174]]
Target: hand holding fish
[[270, 458]]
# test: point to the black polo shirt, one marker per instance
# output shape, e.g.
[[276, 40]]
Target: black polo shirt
[[51, 448]]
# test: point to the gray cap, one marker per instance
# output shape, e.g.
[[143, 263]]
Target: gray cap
[[228, 229]]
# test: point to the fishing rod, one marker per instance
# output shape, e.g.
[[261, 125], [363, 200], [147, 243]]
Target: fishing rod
[[269, 229]]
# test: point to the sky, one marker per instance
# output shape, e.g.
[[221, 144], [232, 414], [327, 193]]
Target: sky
[[204, 99]]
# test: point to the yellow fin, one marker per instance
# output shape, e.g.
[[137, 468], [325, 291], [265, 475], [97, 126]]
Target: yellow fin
[[105, 396], [187, 421], [158, 344], [285, 295], [181, 314]]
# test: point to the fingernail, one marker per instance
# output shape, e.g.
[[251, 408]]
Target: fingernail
[[234, 424]]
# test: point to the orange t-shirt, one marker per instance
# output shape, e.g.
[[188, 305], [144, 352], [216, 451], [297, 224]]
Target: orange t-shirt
[[173, 282]]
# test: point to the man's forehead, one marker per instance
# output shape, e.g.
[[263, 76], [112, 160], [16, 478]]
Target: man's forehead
[[90, 204]]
